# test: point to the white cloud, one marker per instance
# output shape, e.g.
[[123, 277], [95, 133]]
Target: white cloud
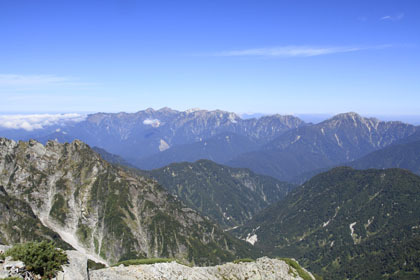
[[396, 17], [152, 122], [294, 51], [37, 121]]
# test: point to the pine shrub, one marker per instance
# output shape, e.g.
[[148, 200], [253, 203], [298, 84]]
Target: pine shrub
[[42, 258]]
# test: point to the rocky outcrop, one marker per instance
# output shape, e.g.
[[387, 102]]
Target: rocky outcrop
[[105, 212], [263, 268], [9, 267], [76, 269]]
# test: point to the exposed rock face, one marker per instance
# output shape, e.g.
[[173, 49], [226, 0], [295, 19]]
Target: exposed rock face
[[105, 212], [16, 217], [262, 269]]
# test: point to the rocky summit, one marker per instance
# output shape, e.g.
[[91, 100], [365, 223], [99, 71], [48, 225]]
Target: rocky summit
[[102, 211]]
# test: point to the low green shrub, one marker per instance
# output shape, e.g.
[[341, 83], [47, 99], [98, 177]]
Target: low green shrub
[[302, 273], [243, 260], [2, 256], [144, 261], [42, 258], [92, 265]]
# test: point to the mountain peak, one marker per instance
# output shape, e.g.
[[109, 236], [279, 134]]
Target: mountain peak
[[166, 110], [352, 115], [149, 110], [192, 110]]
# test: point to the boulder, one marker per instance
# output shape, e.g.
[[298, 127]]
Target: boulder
[[3, 273], [76, 269], [4, 248]]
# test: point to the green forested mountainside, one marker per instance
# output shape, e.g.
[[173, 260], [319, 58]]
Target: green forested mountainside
[[19, 224], [340, 139], [230, 196], [220, 148], [347, 224], [108, 212], [406, 156]]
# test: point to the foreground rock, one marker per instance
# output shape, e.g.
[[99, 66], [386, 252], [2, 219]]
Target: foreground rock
[[263, 268], [76, 269], [9, 267]]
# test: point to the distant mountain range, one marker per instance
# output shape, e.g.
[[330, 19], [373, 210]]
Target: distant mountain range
[[404, 154], [338, 140], [283, 147], [346, 223], [137, 135]]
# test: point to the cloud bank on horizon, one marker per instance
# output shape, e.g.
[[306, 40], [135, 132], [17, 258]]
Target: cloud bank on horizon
[[38, 121]]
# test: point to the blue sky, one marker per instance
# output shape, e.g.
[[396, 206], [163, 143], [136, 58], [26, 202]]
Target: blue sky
[[293, 56]]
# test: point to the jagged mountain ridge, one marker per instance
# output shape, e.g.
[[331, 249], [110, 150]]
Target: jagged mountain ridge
[[344, 218], [105, 211], [403, 154], [230, 196], [340, 139], [144, 133], [356, 134]]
